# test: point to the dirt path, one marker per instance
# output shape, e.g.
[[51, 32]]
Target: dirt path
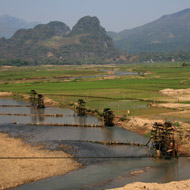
[[15, 172]]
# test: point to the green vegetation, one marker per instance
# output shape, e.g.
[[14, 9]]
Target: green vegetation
[[147, 135], [58, 41], [17, 62], [164, 56], [120, 93], [176, 124]]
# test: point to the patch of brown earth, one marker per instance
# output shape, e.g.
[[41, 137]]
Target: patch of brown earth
[[178, 94], [6, 67], [137, 172], [139, 125], [184, 114], [6, 93], [49, 101], [15, 172], [171, 105], [175, 185], [110, 77], [110, 73]]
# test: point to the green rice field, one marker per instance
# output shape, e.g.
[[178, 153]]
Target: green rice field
[[65, 84]]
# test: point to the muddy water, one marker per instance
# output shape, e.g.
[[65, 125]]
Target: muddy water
[[37, 116], [115, 173], [99, 172]]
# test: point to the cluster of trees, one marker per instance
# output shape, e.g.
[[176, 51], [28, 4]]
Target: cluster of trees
[[186, 64], [159, 57], [142, 57], [17, 62]]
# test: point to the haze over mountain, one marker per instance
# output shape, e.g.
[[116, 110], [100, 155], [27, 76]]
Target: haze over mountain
[[169, 33], [56, 42], [9, 25], [88, 42]]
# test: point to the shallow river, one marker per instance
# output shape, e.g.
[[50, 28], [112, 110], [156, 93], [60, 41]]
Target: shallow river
[[99, 172]]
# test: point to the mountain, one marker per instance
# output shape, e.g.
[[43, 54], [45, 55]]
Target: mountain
[[56, 43], [169, 33], [9, 25], [94, 41], [88, 24], [41, 32]]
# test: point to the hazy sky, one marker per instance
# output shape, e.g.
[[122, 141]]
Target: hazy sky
[[114, 15]]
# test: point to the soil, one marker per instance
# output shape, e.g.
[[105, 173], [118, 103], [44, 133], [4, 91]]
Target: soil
[[47, 101], [138, 125], [175, 185], [172, 105], [15, 172], [178, 94], [4, 94]]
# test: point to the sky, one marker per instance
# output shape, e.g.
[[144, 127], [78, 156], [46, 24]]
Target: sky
[[114, 15]]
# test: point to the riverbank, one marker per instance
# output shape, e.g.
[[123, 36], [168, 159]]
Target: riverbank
[[175, 185], [15, 172], [143, 126]]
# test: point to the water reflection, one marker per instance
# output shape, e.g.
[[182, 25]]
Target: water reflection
[[168, 168], [41, 115], [172, 170], [109, 135], [81, 120], [37, 115], [33, 115]]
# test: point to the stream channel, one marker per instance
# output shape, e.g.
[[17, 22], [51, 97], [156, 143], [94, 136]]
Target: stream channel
[[105, 166]]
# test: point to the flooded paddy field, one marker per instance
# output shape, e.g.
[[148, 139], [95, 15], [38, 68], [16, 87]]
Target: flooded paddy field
[[104, 166]]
